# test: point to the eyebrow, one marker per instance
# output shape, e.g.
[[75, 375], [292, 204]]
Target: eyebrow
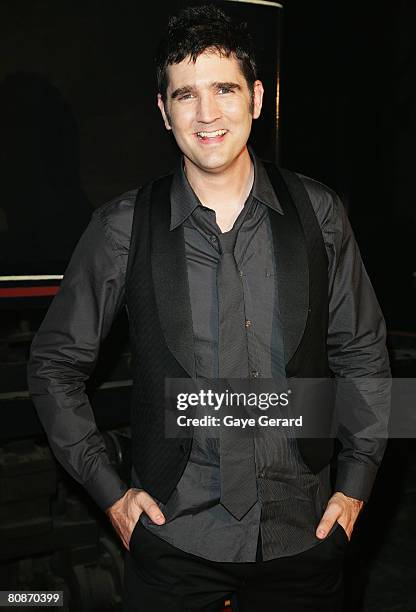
[[215, 85], [182, 90]]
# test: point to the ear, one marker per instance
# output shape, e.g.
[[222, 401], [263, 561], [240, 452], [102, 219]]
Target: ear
[[258, 92], [162, 110]]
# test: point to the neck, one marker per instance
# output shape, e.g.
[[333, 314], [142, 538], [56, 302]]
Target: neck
[[226, 191]]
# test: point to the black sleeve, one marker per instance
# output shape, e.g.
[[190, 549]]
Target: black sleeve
[[64, 353], [357, 352], [358, 357]]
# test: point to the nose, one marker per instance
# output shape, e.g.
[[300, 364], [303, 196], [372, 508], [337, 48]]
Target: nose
[[208, 109]]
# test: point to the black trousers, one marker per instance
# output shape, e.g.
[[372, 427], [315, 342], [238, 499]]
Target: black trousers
[[161, 578]]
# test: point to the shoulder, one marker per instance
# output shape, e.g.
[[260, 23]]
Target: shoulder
[[326, 203], [115, 218]]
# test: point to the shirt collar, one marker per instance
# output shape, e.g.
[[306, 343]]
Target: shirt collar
[[262, 187], [183, 199]]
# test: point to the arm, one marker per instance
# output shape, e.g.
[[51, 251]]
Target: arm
[[64, 353], [358, 358]]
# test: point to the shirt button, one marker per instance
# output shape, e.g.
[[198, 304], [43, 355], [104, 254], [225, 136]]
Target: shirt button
[[213, 238], [254, 374], [241, 273], [248, 323], [261, 474]]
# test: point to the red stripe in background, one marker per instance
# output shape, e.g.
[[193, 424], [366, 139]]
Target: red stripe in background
[[13, 292]]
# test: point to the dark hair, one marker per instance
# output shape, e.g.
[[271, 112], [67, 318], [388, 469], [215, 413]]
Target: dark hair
[[198, 28]]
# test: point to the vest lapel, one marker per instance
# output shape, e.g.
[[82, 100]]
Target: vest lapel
[[291, 266], [170, 278]]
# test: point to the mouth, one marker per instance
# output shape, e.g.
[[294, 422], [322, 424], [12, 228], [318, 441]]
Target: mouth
[[211, 137]]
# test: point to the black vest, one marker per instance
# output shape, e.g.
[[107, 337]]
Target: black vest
[[158, 305]]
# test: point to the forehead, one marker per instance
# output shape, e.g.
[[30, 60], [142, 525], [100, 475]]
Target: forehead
[[209, 67]]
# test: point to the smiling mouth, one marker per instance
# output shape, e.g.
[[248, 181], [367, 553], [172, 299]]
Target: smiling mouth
[[216, 134]]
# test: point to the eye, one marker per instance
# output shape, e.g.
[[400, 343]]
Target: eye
[[224, 89], [187, 96]]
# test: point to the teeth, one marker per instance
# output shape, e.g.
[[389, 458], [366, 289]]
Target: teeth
[[211, 134]]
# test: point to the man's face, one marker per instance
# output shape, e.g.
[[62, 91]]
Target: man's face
[[208, 108]]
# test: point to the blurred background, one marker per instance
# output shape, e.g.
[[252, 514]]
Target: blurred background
[[78, 126]]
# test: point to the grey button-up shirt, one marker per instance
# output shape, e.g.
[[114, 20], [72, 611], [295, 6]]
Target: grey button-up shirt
[[65, 349]]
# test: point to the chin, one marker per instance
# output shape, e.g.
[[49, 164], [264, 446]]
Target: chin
[[208, 165], [216, 161]]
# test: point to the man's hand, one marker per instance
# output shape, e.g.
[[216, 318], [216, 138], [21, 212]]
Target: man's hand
[[342, 509], [126, 511]]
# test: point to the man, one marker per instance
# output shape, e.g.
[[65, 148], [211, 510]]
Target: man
[[228, 269]]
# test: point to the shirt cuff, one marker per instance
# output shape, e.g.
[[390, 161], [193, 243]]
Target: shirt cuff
[[106, 487], [355, 479]]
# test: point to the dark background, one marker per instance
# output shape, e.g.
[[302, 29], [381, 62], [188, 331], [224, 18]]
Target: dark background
[[79, 125], [349, 119]]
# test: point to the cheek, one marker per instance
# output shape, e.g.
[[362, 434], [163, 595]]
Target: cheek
[[182, 121], [239, 112]]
